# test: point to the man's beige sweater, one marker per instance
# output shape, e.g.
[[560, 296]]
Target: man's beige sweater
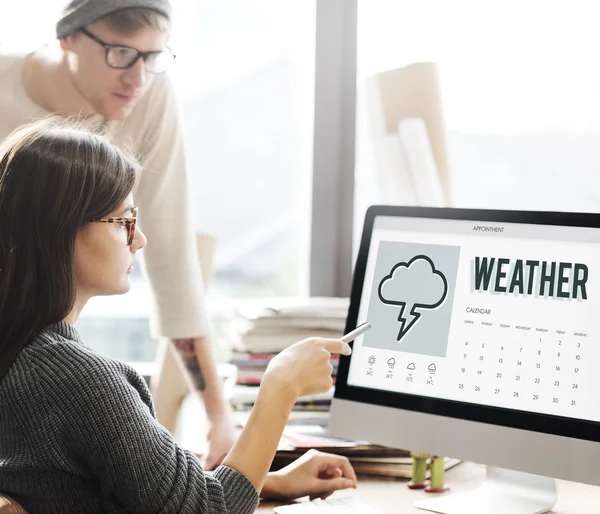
[[153, 134]]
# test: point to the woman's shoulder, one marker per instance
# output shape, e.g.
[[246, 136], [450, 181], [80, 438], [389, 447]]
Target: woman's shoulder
[[62, 360], [65, 375]]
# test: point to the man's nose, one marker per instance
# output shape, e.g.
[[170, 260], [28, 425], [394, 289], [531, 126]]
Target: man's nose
[[136, 75]]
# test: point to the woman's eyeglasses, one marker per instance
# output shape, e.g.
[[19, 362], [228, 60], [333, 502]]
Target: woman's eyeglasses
[[129, 222], [123, 57]]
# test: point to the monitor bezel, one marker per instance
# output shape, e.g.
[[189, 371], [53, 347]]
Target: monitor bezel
[[544, 423]]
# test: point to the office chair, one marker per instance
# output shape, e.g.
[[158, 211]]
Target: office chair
[[10, 506]]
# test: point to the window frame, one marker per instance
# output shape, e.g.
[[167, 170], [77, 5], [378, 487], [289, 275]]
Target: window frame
[[332, 224]]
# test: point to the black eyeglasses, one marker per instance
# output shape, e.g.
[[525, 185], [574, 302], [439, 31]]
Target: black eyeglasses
[[123, 57]]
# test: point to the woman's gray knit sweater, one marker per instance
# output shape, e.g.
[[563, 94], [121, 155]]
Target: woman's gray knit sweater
[[78, 434]]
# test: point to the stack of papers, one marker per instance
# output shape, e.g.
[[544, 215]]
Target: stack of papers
[[273, 328]]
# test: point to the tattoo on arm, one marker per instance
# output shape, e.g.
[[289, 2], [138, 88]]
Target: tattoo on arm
[[187, 351]]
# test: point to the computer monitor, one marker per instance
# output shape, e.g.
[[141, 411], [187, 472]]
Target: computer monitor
[[484, 346]]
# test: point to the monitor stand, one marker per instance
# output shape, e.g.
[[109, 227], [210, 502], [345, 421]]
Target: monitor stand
[[502, 491]]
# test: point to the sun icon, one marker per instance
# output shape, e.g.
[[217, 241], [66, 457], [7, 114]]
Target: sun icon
[[372, 360]]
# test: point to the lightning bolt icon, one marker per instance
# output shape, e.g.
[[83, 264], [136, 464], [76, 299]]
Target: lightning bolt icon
[[411, 317]]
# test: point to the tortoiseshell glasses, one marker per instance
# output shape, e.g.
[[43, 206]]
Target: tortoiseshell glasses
[[129, 222]]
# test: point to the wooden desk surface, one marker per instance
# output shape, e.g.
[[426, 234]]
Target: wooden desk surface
[[393, 497]]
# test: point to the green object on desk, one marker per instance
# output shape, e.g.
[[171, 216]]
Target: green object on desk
[[419, 469], [437, 472]]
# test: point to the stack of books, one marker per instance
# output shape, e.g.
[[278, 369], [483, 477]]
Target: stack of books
[[261, 333], [314, 406], [252, 366], [304, 432], [273, 328]]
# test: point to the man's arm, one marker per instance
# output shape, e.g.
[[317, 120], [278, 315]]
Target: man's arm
[[171, 256], [187, 351], [199, 361]]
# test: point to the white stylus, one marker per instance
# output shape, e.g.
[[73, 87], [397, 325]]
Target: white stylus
[[351, 336]]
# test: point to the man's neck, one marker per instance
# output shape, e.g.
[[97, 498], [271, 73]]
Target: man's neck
[[48, 82]]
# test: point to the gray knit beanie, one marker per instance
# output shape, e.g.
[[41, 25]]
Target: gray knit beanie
[[79, 13]]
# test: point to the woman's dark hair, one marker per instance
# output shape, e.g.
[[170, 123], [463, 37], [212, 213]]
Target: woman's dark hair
[[54, 178]]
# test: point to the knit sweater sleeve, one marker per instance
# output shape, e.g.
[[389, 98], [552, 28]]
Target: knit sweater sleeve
[[109, 426]]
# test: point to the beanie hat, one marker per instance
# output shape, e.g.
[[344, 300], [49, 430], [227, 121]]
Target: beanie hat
[[79, 13]]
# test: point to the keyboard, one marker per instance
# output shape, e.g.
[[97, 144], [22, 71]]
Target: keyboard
[[337, 506]]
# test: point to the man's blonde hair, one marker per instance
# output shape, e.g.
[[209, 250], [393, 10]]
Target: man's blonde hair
[[128, 21]]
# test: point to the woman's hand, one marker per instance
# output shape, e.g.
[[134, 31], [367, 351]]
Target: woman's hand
[[305, 367], [315, 474]]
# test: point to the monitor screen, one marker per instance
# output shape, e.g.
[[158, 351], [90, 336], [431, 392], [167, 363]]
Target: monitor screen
[[480, 314]]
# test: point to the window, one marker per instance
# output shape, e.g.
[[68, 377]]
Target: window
[[245, 78], [520, 95]]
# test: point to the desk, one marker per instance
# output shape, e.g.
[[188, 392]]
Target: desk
[[393, 497]]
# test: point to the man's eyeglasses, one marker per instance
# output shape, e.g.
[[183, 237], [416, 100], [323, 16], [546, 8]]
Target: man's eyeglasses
[[123, 57], [129, 222]]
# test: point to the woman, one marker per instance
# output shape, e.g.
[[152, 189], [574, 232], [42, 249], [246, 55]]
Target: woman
[[78, 431]]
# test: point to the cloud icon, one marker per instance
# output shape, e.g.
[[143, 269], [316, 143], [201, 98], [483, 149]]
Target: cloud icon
[[415, 284]]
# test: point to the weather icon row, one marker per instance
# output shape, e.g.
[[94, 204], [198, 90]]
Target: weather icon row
[[392, 364]]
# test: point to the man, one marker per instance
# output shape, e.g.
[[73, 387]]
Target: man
[[108, 68]]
